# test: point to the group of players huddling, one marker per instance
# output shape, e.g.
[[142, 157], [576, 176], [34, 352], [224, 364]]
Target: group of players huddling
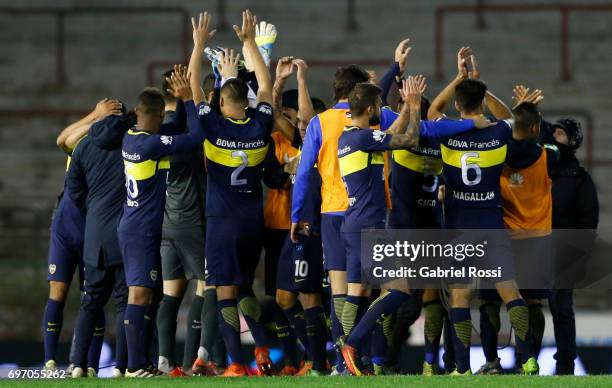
[[172, 192]]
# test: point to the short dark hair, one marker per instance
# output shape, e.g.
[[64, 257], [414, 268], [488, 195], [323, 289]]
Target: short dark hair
[[208, 85], [165, 86], [318, 105], [346, 78], [235, 90], [526, 115], [469, 94], [151, 100], [363, 96]]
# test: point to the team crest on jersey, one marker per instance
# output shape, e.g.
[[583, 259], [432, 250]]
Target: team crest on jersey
[[52, 268], [204, 110], [516, 179], [153, 274], [378, 135], [265, 110], [166, 140]]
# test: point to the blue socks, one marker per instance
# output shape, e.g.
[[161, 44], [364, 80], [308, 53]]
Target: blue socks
[[229, 326], [52, 327], [286, 336], [93, 356], [519, 319], [461, 321], [316, 332], [121, 353], [134, 320], [295, 315], [336, 326], [489, 328], [381, 307]]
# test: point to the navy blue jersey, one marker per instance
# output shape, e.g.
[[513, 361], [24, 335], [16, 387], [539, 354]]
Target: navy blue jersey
[[67, 218], [415, 176], [361, 160], [473, 163], [146, 161], [235, 151]]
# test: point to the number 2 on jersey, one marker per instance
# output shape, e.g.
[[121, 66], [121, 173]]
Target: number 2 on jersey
[[467, 166], [234, 180]]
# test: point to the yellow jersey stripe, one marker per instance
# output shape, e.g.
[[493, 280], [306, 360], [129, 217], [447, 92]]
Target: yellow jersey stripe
[[239, 121], [418, 163], [224, 156], [142, 170], [485, 158], [358, 161], [132, 132]]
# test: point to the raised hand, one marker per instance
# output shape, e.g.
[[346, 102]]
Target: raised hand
[[284, 68], [249, 24], [401, 54], [473, 70], [228, 65], [412, 89], [107, 107], [521, 94], [462, 57], [179, 83], [201, 33], [302, 69]]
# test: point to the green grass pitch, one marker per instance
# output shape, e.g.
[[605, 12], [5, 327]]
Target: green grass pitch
[[326, 382]]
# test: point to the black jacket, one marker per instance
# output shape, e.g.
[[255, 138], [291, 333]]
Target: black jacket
[[96, 183]]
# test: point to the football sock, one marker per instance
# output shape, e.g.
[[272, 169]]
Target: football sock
[[209, 335], [83, 334], [489, 328], [519, 319], [120, 341], [316, 333], [52, 327], [295, 315], [379, 345], [286, 336], [461, 321], [350, 312], [385, 305], [93, 356], [219, 354], [194, 331], [251, 310], [229, 325], [434, 322], [537, 323], [134, 319], [150, 338], [166, 326], [449, 349], [336, 326]]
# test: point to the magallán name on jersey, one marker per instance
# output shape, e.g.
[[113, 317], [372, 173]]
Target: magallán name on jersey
[[475, 197]]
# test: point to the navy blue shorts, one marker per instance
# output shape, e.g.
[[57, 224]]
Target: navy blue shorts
[[65, 256], [473, 218], [300, 265], [141, 260], [352, 242], [233, 248], [334, 254]]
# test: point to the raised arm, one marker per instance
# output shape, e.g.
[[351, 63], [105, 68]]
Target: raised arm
[[284, 68], [246, 34], [436, 110], [410, 115], [201, 35], [305, 109], [70, 136]]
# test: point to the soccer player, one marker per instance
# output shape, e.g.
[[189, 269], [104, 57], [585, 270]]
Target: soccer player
[[66, 247], [300, 266], [473, 162], [416, 174], [321, 147], [95, 184], [182, 248], [145, 151], [235, 147]]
